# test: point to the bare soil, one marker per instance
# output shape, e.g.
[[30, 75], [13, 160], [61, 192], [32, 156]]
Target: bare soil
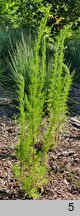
[[64, 159]]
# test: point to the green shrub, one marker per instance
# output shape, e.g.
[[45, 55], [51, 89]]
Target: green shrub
[[37, 131]]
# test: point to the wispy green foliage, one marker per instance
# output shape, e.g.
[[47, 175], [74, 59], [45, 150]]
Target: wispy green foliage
[[35, 141], [32, 167], [58, 89]]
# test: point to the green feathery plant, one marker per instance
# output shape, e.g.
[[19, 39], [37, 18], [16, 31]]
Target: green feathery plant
[[31, 172], [59, 85], [30, 74]]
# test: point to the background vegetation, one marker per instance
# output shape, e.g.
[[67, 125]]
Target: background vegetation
[[29, 13], [25, 16], [35, 62]]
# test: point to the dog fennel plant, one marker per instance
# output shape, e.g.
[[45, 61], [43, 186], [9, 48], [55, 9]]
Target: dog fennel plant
[[32, 169], [59, 85]]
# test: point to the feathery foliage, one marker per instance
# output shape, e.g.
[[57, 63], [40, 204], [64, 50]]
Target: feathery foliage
[[58, 89], [30, 72], [31, 162]]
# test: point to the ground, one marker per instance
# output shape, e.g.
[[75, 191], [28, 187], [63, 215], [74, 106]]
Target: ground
[[64, 159]]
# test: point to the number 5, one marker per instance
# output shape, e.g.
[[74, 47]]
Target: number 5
[[71, 207]]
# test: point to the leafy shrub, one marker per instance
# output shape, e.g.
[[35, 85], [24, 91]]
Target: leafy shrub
[[37, 131]]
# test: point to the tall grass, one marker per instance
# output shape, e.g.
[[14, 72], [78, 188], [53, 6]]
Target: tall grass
[[28, 66], [8, 40], [72, 54]]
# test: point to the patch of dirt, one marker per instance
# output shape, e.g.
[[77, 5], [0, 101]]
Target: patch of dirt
[[64, 159], [64, 167], [7, 103]]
